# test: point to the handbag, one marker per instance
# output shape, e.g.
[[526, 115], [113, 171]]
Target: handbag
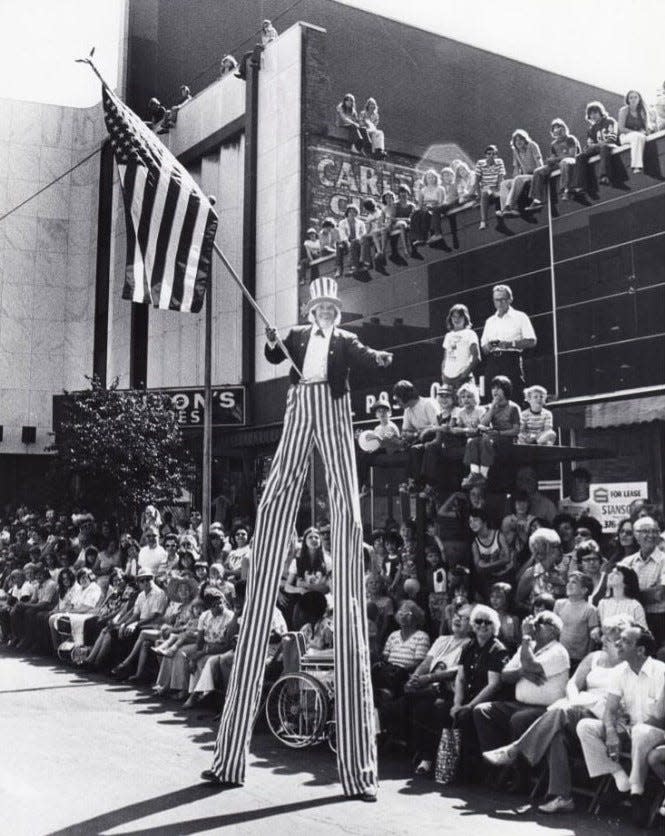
[[448, 756]]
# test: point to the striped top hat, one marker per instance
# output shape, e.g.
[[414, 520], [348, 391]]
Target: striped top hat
[[323, 290]]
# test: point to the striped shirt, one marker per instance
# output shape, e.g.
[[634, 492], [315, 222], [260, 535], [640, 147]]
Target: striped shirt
[[489, 174], [534, 423], [406, 654]]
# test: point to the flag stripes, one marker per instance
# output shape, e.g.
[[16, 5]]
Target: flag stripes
[[170, 223]]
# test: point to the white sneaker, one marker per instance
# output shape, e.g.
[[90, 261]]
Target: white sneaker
[[557, 805], [621, 780], [482, 225], [502, 756]]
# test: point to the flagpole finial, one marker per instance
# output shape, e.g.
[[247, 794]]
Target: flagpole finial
[[92, 66]]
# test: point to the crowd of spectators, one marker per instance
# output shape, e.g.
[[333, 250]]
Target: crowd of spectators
[[404, 221]]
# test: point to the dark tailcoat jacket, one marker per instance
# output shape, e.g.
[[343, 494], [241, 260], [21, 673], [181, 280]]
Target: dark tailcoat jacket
[[346, 352]]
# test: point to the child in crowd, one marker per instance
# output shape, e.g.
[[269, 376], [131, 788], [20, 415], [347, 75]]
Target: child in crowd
[[498, 429], [170, 644], [491, 560], [579, 617], [386, 434], [544, 601], [328, 237], [490, 171], [466, 417], [536, 422], [509, 632], [437, 583], [521, 518]]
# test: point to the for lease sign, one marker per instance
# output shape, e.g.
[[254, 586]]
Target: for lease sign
[[614, 499]]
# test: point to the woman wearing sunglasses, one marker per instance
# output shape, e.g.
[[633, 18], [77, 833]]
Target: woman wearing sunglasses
[[478, 680]]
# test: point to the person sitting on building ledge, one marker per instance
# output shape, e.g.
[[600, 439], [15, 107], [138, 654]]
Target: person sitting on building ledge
[[185, 97], [601, 139], [465, 182], [490, 172], [158, 116], [536, 422], [426, 221], [347, 117], [564, 149], [634, 125], [526, 160], [268, 32], [373, 234], [404, 210], [351, 230], [498, 429], [394, 227], [227, 65], [369, 120]]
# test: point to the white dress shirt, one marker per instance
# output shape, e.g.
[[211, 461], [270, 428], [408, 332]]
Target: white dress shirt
[[315, 364], [513, 325], [641, 693]]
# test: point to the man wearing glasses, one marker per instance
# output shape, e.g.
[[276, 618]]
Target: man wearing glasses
[[649, 565]]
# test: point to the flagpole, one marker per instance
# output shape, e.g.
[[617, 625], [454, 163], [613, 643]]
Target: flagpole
[[206, 462], [254, 304]]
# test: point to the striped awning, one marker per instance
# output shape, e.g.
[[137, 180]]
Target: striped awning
[[620, 413]]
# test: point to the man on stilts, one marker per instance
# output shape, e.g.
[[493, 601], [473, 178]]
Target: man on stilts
[[318, 412]]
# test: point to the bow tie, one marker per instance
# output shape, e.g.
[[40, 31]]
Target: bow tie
[[319, 332]]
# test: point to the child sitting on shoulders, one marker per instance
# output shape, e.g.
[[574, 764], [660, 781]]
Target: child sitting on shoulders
[[536, 422]]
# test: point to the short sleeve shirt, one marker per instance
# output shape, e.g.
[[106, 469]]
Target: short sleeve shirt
[[424, 414], [555, 662], [406, 654], [478, 661], [457, 345], [513, 325]]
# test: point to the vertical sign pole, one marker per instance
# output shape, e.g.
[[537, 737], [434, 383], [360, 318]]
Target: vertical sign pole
[[207, 421]]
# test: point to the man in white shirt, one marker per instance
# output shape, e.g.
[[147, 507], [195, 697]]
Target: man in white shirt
[[152, 557], [649, 565], [634, 716], [505, 336], [539, 670]]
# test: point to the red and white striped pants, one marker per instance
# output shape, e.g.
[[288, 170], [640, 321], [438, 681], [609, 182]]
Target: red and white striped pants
[[312, 417]]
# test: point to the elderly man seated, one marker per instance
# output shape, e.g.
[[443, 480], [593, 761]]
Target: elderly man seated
[[539, 671], [634, 716]]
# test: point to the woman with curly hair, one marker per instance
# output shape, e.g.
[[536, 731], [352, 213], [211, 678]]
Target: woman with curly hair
[[465, 181], [634, 126]]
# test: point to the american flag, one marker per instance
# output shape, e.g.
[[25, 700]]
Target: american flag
[[170, 222]]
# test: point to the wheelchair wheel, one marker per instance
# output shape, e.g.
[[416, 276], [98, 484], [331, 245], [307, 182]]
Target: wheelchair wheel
[[297, 709]]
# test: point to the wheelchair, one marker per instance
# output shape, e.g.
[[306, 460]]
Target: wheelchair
[[299, 707]]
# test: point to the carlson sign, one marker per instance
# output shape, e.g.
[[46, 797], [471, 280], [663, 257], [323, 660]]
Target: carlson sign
[[228, 406]]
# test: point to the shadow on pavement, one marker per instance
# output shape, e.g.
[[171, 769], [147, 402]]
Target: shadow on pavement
[[171, 801]]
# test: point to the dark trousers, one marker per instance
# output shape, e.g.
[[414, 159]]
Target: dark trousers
[[498, 723], [581, 173], [656, 623], [508, 363]]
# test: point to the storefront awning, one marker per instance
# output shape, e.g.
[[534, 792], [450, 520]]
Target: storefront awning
[[619, 413]]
